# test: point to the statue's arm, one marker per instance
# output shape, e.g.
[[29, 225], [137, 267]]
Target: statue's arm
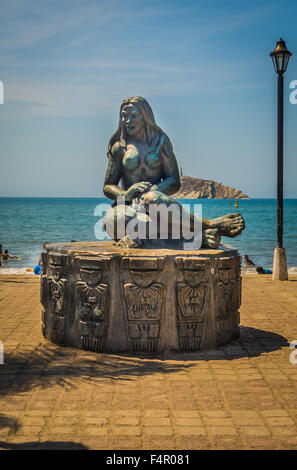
[[113, 176], [171, 179]]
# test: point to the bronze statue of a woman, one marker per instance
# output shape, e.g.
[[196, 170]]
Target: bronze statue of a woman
[[141, 157]]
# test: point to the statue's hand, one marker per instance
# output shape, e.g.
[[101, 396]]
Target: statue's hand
[[153, 196], [136, 189], [230, 225]]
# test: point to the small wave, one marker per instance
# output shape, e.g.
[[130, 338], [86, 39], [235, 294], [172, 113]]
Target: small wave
[[292, 270], [251, 270], [15, 271]]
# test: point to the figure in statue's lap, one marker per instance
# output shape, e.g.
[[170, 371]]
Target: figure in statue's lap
[[141, 157]]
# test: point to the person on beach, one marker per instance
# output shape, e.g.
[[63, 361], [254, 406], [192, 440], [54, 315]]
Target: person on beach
[[261, 270], [6, 256], [248, 261]]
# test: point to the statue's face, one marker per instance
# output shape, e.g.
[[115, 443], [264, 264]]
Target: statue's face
[[132, 119]]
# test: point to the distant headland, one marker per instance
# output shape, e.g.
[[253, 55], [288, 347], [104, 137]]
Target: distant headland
[[197, 188]]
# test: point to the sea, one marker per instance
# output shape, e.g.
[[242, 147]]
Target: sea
[[27, 223]]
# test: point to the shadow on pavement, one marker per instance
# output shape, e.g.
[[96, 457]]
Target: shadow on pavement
[[7, 422], [46, 445], [48, 364], [13, 425]]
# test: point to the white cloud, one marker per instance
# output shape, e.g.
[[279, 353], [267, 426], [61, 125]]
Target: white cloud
[[65, 82]]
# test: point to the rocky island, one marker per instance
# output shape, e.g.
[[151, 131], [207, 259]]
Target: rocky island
[[197, 188]]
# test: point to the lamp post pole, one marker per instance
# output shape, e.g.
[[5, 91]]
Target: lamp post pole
[[280, 58], [280, 160]]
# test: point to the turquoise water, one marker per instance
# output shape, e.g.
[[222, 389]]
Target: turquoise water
[[26, 223]]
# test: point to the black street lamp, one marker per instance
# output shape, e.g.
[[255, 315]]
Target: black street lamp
[[280, 58]]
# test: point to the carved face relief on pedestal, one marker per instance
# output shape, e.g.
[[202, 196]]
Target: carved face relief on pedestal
[[192, 301], [55, 290], [228, 289], [92, 300], [144, 298], [225, 275], [191, 295], [229, 283], [144, 303], [91, 277], [56, 272]]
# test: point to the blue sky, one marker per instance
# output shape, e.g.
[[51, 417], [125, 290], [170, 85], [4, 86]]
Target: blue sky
[[204, 67]]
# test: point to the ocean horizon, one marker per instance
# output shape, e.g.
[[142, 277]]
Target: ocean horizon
[[28, 222]]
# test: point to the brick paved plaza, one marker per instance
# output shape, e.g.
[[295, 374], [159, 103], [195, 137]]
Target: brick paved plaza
[[240, 397]]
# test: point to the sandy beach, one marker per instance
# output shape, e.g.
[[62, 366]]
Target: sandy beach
[[240, 397]]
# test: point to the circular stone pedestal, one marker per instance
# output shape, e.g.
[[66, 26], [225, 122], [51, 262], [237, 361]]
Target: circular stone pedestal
[[102, 298]]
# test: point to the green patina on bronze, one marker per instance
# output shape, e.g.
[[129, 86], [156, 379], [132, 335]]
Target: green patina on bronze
[[142, 160]]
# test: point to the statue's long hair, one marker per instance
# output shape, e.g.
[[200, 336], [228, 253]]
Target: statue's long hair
[[151, 132]]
